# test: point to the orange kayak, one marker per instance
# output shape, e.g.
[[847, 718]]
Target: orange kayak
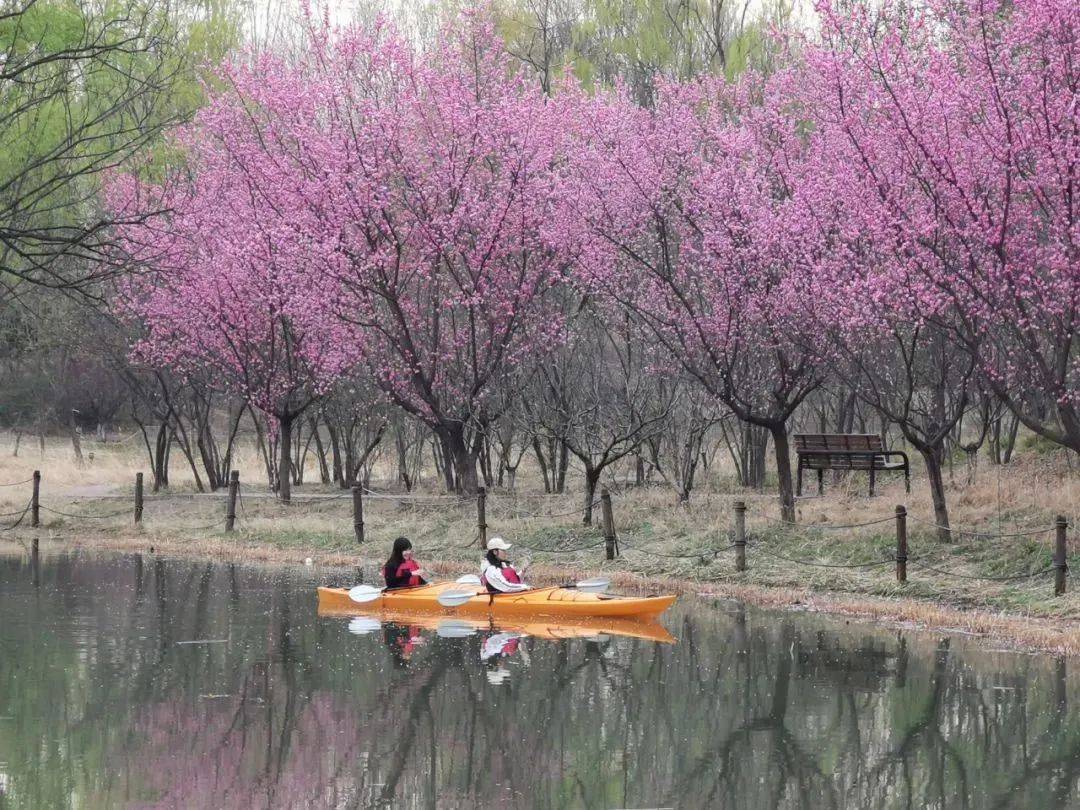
[[555, 602]]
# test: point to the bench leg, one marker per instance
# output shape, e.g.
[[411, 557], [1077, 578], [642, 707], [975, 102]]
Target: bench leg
[[820, 482], [798, 481], [871, 482]]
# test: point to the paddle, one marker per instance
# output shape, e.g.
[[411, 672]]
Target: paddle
[[362, 625], [455, 628], [453, 599], [468, 579], [365, 593], [595, 585]]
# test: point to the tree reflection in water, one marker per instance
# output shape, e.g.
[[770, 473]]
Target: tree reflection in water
[[101, 706]]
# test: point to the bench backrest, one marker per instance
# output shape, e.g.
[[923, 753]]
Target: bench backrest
[[838, 442]]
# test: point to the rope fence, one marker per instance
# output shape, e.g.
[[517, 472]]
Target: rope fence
[[18, 483], [22, 516], [739, 539], [978, 534]]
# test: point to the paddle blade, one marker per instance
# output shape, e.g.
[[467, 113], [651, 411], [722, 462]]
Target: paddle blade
[[453, 599], [455, 628], [365, 593], [597, 585], [468, 579], [362, 625]]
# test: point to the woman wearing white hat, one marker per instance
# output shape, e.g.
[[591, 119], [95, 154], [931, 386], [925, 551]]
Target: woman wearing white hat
[[499, 576]]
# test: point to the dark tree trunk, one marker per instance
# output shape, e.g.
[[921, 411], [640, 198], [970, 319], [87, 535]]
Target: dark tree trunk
[[932, 457], [462, 458], [403, 461], [320, 450], [779, 433], [539, 451], [284, 473], [335, 454], [592, 478], [564, 463], [160, 458]]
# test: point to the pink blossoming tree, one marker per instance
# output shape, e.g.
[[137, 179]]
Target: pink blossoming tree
[[678, 214], [388, 208], [440, 209], [952, 134], [225, 286]]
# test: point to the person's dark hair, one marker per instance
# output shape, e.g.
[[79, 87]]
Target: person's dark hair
[[494, 559], [397, 556]]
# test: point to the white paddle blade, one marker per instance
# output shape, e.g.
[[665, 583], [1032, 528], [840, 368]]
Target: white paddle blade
[[453, 599], [365, 593], [455, 628], [468, 579], [597, 585], [362, 625]]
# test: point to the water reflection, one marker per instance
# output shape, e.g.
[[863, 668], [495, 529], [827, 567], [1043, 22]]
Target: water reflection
[[101, 707]]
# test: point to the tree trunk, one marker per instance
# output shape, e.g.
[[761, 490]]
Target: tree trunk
[[335, 454], [284, 473], [932, 457], [461, 458], [402, 460], [76, 442], [160, 458], [592, 478], [779, 433], [564, 463], [18, 438], [320, 450], [539, 451], [443, 464], [263, 444]]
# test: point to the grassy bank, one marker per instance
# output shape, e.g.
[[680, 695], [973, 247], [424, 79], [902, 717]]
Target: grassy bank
[[977, 583]]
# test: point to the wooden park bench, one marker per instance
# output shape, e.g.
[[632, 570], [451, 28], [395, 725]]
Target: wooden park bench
[[847, 451]]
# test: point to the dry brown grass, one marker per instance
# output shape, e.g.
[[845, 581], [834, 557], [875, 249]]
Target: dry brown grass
[[1027, 493]]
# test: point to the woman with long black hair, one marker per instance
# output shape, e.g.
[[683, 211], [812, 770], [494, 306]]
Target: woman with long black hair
[[401, 570], [499, 576]]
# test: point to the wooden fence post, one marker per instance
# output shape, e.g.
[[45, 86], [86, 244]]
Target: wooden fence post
[[358, 512], [740, 535], [901, 544], [609, 523], [1060, 527], [230, 502], [138, 498], [481, 516], [35, 500]]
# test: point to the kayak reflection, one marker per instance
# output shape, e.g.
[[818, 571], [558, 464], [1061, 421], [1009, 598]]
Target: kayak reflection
[[446, 626]]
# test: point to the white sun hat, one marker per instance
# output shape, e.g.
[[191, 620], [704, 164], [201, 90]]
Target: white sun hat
[[497, 543]]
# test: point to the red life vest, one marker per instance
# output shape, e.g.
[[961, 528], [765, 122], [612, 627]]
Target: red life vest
[[405, 568]]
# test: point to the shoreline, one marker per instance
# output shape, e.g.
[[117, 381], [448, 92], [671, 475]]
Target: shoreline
[[1024, 633]]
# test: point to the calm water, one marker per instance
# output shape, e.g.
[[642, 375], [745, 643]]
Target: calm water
[[102, 706]]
